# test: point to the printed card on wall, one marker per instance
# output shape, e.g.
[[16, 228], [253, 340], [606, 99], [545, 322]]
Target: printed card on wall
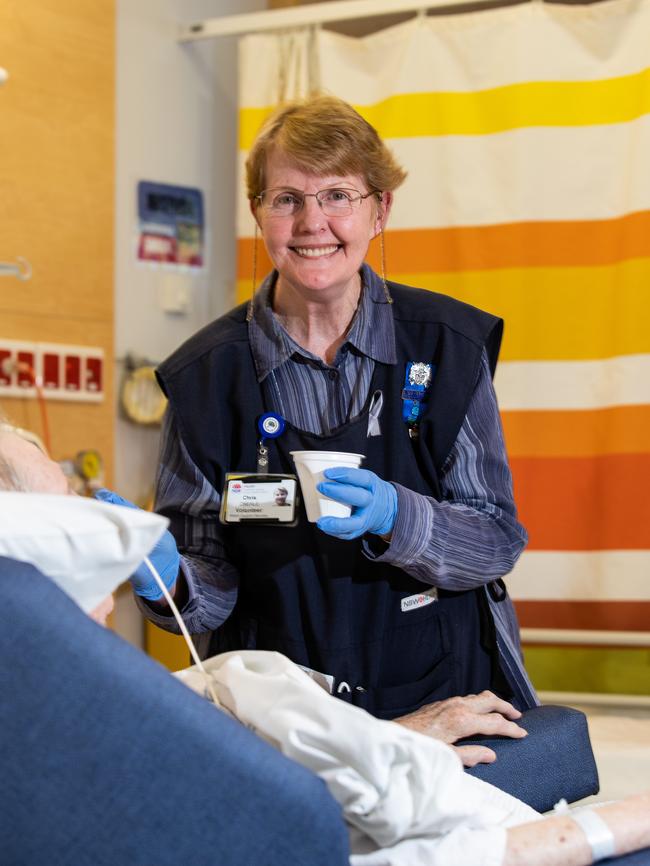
[[171, 225]]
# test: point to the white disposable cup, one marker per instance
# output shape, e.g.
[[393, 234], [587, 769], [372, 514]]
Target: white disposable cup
[[310, 466]]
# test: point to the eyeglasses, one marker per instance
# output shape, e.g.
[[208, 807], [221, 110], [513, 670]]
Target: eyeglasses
[[336, 202]]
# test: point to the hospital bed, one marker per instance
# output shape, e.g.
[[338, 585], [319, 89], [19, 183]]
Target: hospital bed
[[107, 759]]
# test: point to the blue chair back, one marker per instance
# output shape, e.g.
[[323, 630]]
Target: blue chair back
[[106, 759]]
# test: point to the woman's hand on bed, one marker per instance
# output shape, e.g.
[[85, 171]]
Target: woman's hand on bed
[[455, 718]]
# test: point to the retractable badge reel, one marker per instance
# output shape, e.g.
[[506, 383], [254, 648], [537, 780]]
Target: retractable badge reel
[[270, 426], [261, 497]]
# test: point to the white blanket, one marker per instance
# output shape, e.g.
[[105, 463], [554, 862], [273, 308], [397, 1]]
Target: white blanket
[[405, 796]]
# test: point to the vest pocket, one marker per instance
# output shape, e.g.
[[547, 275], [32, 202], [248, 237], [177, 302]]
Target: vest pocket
[[417, 666], [397, 701]]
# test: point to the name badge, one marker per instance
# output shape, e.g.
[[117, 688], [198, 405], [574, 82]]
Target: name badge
[[250, 498], [422, 599]]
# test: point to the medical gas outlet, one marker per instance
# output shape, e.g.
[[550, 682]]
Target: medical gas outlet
[[60, 371]]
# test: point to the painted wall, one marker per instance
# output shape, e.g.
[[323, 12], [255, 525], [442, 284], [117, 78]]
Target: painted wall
[[176, 123], [176, 115]]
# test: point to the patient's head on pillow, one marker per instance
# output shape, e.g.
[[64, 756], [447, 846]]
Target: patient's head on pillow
[[25, 467]]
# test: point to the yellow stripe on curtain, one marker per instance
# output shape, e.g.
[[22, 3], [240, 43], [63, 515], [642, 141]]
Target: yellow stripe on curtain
[[526, 133], [482, 112], [580, 298]]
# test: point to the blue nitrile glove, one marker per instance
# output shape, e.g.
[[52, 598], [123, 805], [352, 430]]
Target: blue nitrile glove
[[164, 557], [373, 501]]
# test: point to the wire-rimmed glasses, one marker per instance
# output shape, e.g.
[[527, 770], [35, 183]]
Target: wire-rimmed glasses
[[334, 201]]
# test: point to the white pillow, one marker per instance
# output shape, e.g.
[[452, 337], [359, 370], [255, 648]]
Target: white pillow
[[85, 546]]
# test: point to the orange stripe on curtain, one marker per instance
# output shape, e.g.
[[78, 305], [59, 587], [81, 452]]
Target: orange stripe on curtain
[[509, 245], [590, 503], [619, 429], [597, 615], [245, 259], [522, 244]]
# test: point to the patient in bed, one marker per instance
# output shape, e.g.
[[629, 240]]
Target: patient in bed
[[25, 467], [404, 795]]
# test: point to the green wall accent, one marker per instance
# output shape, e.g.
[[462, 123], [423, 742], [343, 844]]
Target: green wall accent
[[589, 669]]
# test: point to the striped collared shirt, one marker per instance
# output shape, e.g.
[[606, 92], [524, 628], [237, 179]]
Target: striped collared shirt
[[468, 539], [312, 395]]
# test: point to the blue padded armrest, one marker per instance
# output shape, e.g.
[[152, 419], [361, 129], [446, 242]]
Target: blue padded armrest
[[554, 761], [107, 759], [637, 858]]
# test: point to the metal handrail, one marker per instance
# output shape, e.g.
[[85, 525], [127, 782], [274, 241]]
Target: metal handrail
[[20, 269], [585, 637]]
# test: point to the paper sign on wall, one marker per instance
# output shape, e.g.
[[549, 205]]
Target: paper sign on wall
[[171, 224]]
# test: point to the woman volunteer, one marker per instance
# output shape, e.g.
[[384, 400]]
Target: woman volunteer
[[400, 604]]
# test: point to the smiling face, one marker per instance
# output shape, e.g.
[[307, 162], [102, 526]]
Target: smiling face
[[318, 256]]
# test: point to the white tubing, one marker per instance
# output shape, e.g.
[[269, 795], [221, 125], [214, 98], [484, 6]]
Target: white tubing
[[188, 640]]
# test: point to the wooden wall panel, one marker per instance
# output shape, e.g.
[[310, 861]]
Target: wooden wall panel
[[57, 195]]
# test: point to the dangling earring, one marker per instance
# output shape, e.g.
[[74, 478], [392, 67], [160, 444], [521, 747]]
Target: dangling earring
[[389, 300], [249, 313]]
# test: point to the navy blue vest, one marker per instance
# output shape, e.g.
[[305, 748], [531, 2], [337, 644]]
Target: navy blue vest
[[317, 599]]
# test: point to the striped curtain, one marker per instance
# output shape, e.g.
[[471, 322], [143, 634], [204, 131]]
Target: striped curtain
[[526, 135]]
